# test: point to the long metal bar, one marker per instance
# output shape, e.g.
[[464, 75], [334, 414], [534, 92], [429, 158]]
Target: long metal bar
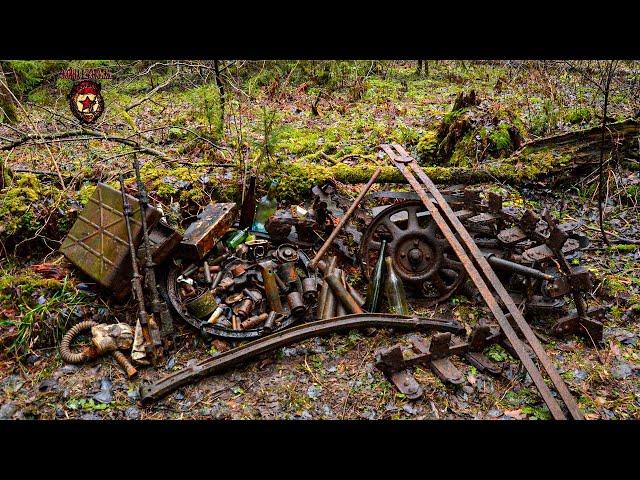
[[344, 219], [402, 161], [166, 385]]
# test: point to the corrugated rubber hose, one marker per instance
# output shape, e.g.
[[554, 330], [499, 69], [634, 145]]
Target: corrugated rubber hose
[[65, 346]]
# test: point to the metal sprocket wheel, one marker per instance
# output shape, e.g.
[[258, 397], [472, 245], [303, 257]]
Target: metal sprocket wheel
[[421, 256]]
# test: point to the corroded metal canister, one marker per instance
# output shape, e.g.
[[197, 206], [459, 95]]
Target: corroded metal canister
[[270, 323], [203, 305], [255, 321], [309, 290], [296, 305], [243, 309], [257, 249]]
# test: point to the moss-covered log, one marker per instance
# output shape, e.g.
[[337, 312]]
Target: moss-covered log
[[557, 155]]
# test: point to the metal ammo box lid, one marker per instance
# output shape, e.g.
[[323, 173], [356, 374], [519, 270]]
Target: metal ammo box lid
[[97, 242]]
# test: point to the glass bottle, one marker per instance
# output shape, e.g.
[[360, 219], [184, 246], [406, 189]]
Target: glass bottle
[[237, 238], [375, 283], [266, 207], [394, 290]]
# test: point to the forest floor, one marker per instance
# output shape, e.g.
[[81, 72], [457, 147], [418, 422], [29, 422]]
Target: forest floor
[[287, 122]]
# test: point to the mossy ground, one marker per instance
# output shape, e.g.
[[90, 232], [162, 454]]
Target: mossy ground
[[303, 123]]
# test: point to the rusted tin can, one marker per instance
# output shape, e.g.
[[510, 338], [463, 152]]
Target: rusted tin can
[[296, 305], [211, 225], [203, 305]]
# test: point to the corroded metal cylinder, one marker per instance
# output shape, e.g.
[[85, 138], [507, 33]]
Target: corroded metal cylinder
[[270, 323], [255, 321], [296, 305], [203, 305], [343, 296], [243, 309], [309, 290]]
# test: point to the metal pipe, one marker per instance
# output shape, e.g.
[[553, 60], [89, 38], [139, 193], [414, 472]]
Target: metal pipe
[[344, 219], [342, 294], [503, 264]]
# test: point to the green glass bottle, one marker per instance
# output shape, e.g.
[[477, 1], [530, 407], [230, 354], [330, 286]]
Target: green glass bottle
[[394, 290], [266, 207], [237, 238], [375, 283]]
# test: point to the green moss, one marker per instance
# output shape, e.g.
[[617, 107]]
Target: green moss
[[16, 202], [578, 115], [500, 138], [85, 193], [428, 146], [623, 248]]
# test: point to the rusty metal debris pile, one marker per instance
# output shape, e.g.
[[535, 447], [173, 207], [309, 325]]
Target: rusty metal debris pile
[[276, 277]]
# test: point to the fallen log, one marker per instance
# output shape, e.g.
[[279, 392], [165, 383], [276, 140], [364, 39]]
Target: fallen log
[[555, 156]]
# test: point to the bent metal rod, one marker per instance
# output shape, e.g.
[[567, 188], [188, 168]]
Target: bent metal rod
[[405, 163]]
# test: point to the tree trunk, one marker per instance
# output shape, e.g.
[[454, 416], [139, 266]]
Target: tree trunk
[[7, 106]]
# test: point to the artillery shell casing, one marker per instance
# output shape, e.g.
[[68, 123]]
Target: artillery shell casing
[[254, 321], [243, 310], [270, 323], [207, 273], [322, 299], [296, 305], [329, 310], [215, 316], [217, 279], [356, 295], [214, 268], [189, 270], [270, 287], [309, 290], [343, 295]]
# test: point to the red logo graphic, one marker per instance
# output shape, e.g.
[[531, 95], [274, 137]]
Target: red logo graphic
[[86, 101]]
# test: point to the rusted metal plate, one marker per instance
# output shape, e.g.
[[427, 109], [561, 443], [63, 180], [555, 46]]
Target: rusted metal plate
[[97, 242], [211, 225], [511, 236], [406, 383]]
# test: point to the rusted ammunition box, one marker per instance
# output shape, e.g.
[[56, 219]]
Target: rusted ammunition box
[[97, 242], [211, 225], [163, 240]]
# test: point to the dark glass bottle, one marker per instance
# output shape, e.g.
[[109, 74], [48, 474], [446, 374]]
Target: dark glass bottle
[[394, 290], [375, 283]]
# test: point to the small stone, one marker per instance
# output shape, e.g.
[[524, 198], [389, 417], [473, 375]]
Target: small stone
[[468, 389], [289, 352], [305, 415], [132, 413], [332, 369], [314, 391], [621, 371], [7, 411], [133, 394], [90, 416], [60, 413], [494, 413], [41, 300], [179, 395], [580, 375], [410, 409]]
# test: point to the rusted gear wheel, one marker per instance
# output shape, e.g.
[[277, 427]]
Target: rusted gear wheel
[[421, 255]]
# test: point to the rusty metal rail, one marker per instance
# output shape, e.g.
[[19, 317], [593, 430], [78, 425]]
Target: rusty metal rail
[[407, 166], [164, 386]]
